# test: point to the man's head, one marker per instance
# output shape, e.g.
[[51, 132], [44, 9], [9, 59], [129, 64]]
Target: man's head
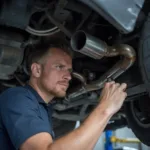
[[50, 66]]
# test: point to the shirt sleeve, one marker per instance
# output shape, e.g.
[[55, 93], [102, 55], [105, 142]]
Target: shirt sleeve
[[20, 117]]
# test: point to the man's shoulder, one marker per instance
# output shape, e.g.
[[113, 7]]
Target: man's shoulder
[[20, 90], [14, 92], [16, 95]]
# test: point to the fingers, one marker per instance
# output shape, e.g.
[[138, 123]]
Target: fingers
[[114, 85], [109, 83], [117, 85], [124, 95], [123, 86]]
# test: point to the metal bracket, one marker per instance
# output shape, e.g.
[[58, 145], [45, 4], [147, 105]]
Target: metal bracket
[[136, 91]]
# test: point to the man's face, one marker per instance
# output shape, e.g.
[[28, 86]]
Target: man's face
[[56, 73]]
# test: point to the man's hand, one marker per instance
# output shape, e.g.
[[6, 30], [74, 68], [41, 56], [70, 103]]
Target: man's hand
[[113, 96]]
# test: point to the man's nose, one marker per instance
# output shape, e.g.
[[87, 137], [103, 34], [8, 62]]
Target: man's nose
[[68, 76]]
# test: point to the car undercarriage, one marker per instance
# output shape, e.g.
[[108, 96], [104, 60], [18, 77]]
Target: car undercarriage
[[86, 26]]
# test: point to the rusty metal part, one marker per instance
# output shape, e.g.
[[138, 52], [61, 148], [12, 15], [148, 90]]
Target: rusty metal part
[[11, 53], [91, 46], [132, 92], [79, 77]]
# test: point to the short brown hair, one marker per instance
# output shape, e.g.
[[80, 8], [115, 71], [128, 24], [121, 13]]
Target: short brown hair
[[37, 51]]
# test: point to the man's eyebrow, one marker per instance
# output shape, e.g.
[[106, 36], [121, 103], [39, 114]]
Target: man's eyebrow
[[70, 69]]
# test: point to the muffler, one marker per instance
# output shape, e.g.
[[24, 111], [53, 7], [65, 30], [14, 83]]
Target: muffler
[[95, 48]]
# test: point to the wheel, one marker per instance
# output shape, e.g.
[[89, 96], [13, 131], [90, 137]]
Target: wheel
[[62, 127], [138, 118], [138, 111]]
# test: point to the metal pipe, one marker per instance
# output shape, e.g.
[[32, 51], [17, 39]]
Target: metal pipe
[[59, 25], [79, 77], [95, 48], [88, 45], [70, 117]]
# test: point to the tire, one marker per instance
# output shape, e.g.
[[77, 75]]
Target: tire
[[144, 52], [142, 105], [140, 129]]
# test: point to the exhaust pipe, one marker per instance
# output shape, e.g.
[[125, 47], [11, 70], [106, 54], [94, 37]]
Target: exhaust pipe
[[95, 48]]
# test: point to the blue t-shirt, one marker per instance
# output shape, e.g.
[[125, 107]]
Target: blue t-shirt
[[23, 113]]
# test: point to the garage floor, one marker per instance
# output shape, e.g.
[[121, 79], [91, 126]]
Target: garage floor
[[121, 133]]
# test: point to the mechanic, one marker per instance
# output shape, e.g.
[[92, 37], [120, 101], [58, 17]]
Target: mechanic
[[25, 115]]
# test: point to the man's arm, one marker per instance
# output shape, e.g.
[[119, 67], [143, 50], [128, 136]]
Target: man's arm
[[86, 136], [81, 138]]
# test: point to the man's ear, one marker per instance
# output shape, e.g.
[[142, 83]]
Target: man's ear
[[36, 70]]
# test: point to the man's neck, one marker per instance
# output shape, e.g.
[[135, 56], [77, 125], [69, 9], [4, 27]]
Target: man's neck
[[47, 97]]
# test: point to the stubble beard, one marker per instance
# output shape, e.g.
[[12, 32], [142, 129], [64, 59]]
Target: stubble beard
[[58, 94], [55, 92]]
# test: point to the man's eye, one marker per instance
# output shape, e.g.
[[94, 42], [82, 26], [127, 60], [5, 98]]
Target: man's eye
[[59, 67]]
